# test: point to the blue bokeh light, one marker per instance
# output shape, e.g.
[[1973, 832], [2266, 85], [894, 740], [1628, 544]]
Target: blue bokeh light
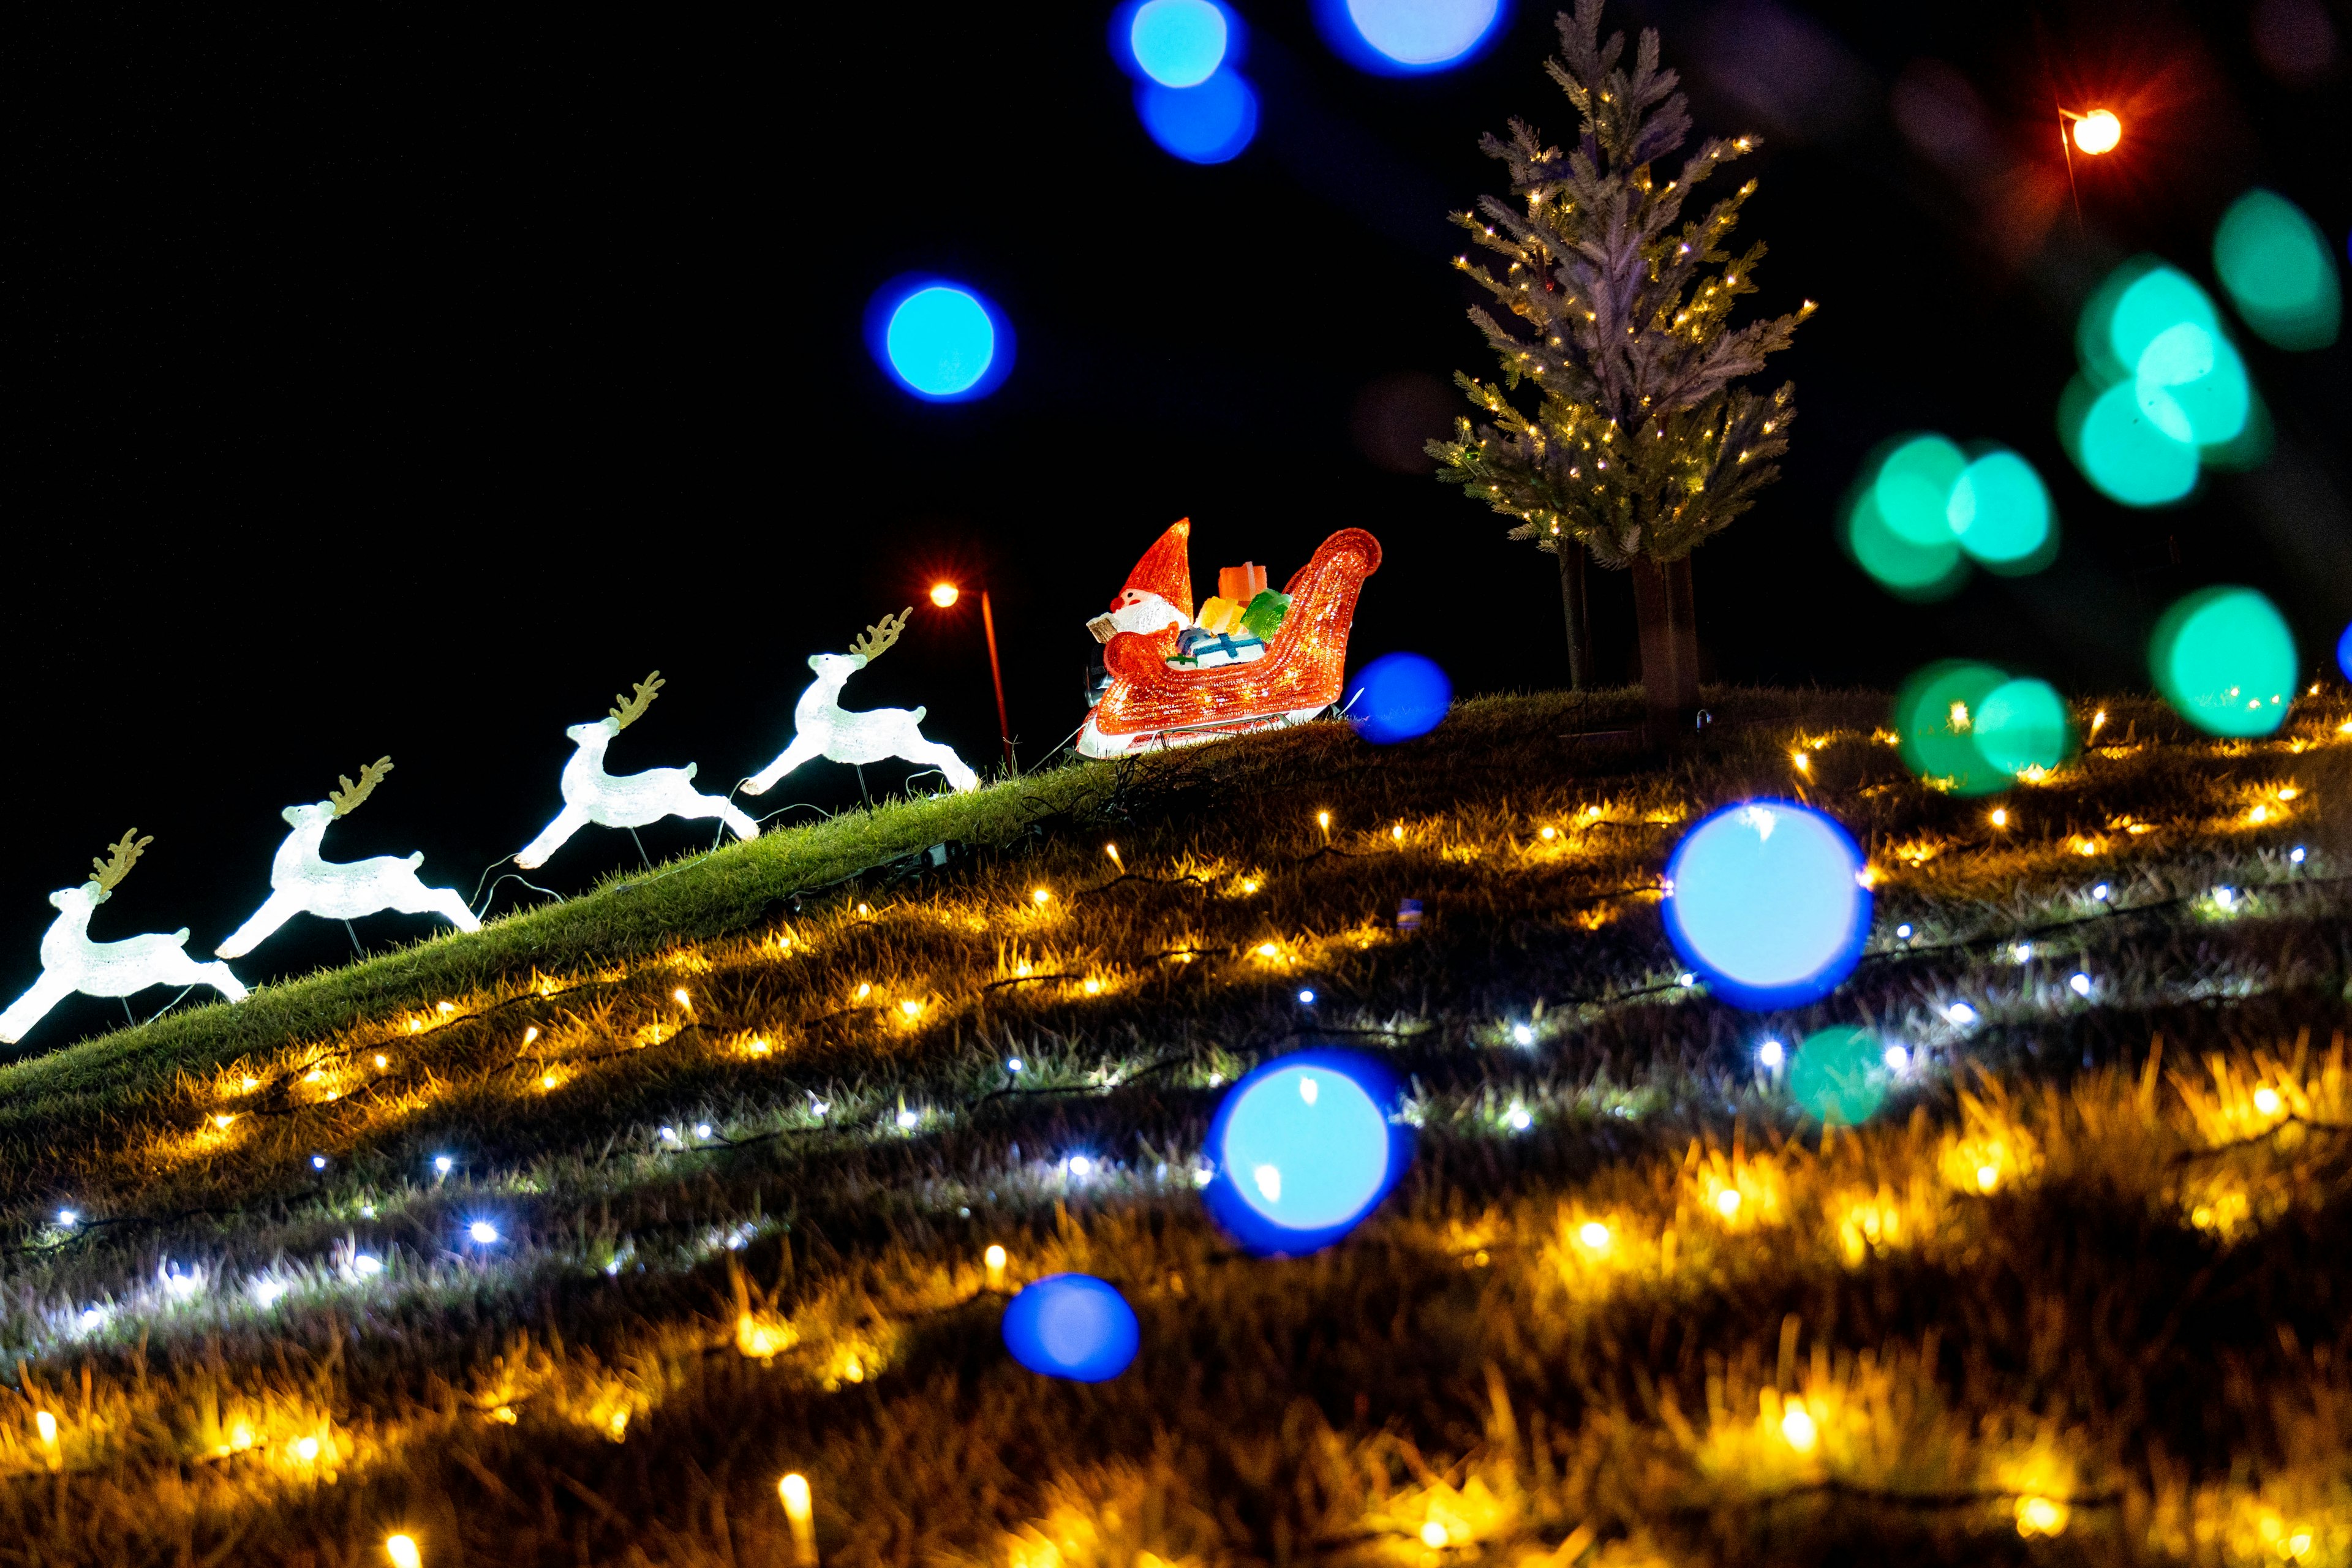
[[1304, 1150], [1408, 37], [1074, 1326], [1210, 124], [1397, 697], [1176, 43], [1766, 899], [941, 341], [2344, 652]]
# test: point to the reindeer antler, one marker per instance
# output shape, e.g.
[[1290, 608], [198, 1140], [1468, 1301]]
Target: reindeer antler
[[347, 799], [877, 639], [629, 711], [121, 856]]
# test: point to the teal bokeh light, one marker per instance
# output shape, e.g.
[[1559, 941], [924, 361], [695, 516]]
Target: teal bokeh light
[[2192, 385], [1922, 508], [1913, 490], [1908, 571], [1999, 511], [2122, 451], [2279, 271], [1839, 1075], [2224, 657], [2139, 301], [1935, 720], [2022, 725]]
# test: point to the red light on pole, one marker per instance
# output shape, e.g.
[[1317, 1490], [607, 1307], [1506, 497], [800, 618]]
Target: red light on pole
[[945, 594]]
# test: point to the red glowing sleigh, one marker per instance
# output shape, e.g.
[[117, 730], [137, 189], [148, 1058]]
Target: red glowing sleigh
[[1151, 706]]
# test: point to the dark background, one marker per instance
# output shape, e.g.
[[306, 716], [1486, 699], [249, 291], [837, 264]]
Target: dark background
[[392, 383]]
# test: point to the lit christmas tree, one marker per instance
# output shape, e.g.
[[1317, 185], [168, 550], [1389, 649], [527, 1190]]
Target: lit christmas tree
[[1641, 445]]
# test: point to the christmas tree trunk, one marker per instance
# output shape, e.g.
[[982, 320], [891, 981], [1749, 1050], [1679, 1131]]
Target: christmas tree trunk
[[1668, 627], [1579, 616]]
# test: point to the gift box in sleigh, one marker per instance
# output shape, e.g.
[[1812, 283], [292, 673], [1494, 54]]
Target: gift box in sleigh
[[1159, 697]]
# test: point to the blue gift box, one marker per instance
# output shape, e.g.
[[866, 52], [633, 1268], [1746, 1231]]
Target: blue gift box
[[1200, 648]]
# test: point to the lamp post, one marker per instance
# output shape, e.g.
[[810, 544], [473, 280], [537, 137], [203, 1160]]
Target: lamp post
[[944, 594]]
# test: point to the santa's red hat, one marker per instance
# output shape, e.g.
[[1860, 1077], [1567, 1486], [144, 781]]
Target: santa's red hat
[[1166, 568]]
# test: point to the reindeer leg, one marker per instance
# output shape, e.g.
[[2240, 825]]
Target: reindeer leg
[[568, 821], [220, 978], [962, 779], [421, 900], [803, 748], [727, 811], [34, 1005], [275, 912]]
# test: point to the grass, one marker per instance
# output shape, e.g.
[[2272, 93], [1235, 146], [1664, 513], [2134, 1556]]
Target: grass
[[741, 1131]]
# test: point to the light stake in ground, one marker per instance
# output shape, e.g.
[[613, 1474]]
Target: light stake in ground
[[302, 881], [71, 962], [626, 800], [823, 727]]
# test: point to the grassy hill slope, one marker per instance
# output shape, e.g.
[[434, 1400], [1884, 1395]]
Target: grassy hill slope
[[561, 1243]]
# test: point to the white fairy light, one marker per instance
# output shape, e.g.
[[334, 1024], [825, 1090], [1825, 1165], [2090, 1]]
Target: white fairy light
[[1961, 1014], [67, 1218], [1522, 1035], [269, 1292], [2022, 952], [907, 1118], [367, 1266], [1012, 1064], [1307, 998], [1904, 931], [92, 1319], [1518, 1118], [2226, 896], [1081, 1166], [2079, 983], [1898, 1060], [442, 1163], [1687, 980], [1771, 1053], [2102, 892], [483, 1232], [302, 882], [318, 1162], [702, 1129], [71, 962], [2295, 856], [629, 800], [823, 727]]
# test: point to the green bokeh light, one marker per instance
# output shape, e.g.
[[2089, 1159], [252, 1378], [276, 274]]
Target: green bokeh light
[[2000, 512], [1913, 490], [2225, 659], [2023, 724], [2192, 385], [1839, 1074], [1906, 570], [2279, 271], [1936, 716], [2154, 299], [2120, 449]]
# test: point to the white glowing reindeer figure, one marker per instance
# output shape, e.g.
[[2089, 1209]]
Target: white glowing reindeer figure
[[303, 882], [631, 800], [71, 962], [823, 727]]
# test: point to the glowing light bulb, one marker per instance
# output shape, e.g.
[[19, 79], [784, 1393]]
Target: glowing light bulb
[[306, 1450], [795, 1491], [1988, 1178], [911, 1008], [1518, 1120], [1081, 1166], [318, 1162], [2267, 1100], [1397, 832], [907, 1118], [442, 1163], [2098, 132], [1797, 1426], [1961, 1014], [48, 1424], [401, 1550], [2000, 816], [1307, 998], [1771, 1053], [1726, 1202], [483, 1232], [1898, 1060], [944, 593], [1594, 1234], [67, 1218], [994, 1257], [1432, 1535], [1521, 1034], [1039, 895]]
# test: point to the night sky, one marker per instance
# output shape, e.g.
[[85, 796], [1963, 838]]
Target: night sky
[[397, 385]]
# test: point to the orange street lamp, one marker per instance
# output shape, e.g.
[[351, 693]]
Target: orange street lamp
[[944, 594]]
